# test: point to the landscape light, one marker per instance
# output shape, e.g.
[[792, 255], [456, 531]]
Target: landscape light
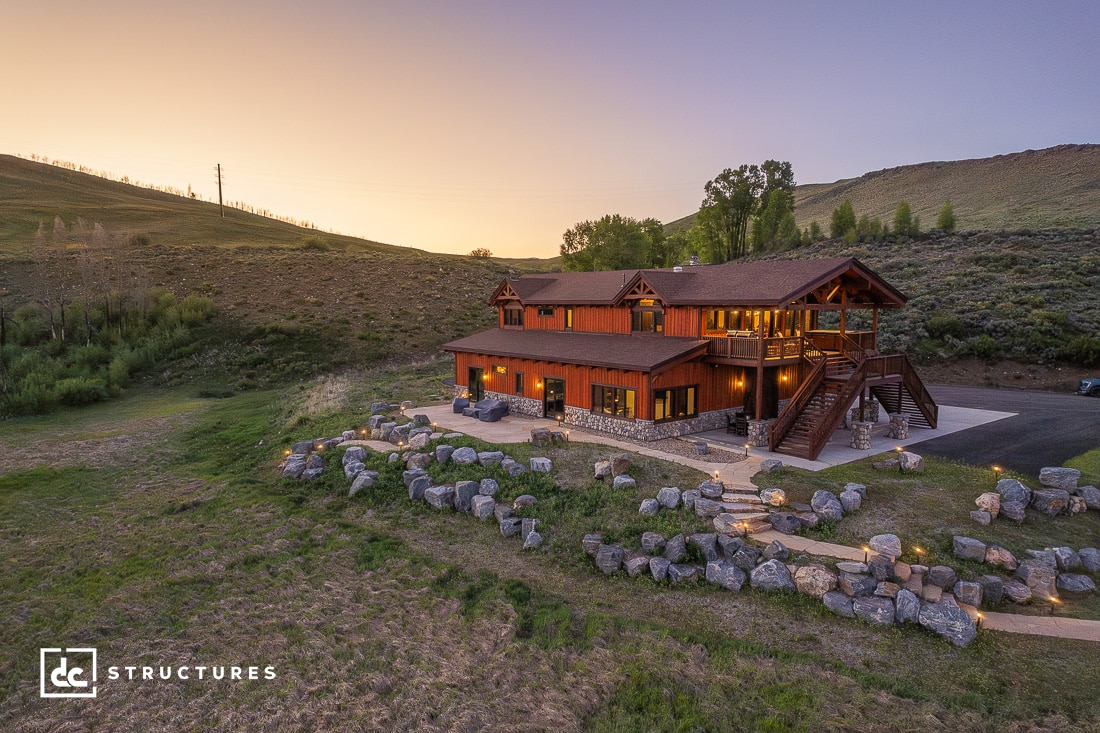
[[746, 450], [979, 620], [286, 452], [866, 553], [997, 470], [716, 474]]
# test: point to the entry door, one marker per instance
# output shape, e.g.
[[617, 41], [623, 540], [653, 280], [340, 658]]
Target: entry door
[[477, 384], [553, 399]]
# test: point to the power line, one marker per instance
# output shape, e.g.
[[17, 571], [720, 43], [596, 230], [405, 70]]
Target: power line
[[221, 208]]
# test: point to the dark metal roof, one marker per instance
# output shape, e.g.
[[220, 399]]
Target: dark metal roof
[[614, 351]]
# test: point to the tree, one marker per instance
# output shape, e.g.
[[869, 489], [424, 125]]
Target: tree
[[730, 202], [662, 251], [788, 236], [946, 220], [843, 221], [481, 253], [774, 208], [613, 242], [903, 220]]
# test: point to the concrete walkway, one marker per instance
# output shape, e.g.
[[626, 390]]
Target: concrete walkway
[[515, 429]]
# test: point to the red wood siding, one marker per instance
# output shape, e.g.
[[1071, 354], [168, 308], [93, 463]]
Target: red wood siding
[[683, 321], [601, 319]]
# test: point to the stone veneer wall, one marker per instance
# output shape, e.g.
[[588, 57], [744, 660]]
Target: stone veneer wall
[[516, 403], [645, 429]]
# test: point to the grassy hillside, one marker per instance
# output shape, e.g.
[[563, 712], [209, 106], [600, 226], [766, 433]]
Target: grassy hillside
[[1035, 189]]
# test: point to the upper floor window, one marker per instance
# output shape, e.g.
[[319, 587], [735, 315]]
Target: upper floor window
[[546, 312], [513, 317], [650, 320]]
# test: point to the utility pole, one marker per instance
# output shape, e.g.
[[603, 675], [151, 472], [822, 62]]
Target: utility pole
[[220, 207]]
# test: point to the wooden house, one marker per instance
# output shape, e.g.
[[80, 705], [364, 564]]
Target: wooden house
[[659, 353]]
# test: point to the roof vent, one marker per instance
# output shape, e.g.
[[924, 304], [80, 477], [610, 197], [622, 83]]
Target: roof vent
[[678, 268], [695, 260]]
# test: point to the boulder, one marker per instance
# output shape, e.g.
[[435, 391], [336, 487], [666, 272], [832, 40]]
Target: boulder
[[294, 466], [809, 520], [408, 475], [746, 558], [602, 470], [482, 507], [852, 566], [540, 436], [1000, 557], [881, 567], [591, 544], [658, 568], [443, 453], [622, 481], [773, 497], [1013, 510], [527, 526], [968, 548], [609, 558], [1059, 478], [707, 544], [636, 564], [993, 589], [440, 497], [1091, 495], [708, 507], [620, 464], [729, 546], [419, 441], [968, 592], [1090, 559], [1051, 502], [1038, 576], [989, 502], [1016, 591], [465, 491], [514, 469], [1077, 504], [942, 576], [314, 462], [374, 422], [669, 497], [981, 517], [768, 465], [814, 580], [504, 511], [949, 621], [771, 575], [910, 462], [858, 488], [725, 574], [1067, 559], [785, 522], [405, 405], [511, 526], [653, 542], [524, 501], [850, 501], [488, 458], [688, 499], [902, 571], [886, 544], [418, 460], [488, 487], [906, 607], [676, 549], [311, 474], [711, 489], [452, 436], [363, 480], [776, 550], [533, 541], [1011, 489], [541, 465], [400, 434], [827, 506], [347, 435], [874, 610], [728, 524], [418, 486], [679, 574], [931, 593], [1073, 585], [356, 453], [464, 456], [649, 507], [302, 447], [838, 603], [393, 458], [1044, 556], [855, 584], [377, 408]]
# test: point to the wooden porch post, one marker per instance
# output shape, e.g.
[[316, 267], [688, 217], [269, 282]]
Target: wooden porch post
[[760, 369], [843, 311], [874, 328]]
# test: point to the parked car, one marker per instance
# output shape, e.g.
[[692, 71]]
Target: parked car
[[1090, 386]]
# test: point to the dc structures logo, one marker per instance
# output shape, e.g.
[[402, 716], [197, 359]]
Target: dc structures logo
[[69, 672]]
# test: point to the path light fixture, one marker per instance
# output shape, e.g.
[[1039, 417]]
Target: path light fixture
[[745, 528], [997, 471], [716, 474], [978, 620], [1053, 602], [866, 554], [286, 452], [919, 551], [746, 450]]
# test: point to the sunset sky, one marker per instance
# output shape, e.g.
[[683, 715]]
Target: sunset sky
[[448, 126]]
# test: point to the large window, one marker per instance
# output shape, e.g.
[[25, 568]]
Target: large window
[[647, 320], [614, 401], [519, 382], [546, 312], [674, 404], [513, 317]]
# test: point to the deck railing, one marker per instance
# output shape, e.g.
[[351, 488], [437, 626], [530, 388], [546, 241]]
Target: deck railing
[[748, 347]]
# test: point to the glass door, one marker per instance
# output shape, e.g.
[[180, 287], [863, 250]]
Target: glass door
[[477, 384], [553, 399]]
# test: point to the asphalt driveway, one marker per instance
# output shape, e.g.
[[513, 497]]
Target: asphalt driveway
[[1047, 430]]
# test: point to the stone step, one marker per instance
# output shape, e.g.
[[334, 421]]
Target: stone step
[[749, 515], [742, 497], [736, 508]]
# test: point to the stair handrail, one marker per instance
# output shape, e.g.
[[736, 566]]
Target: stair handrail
[[852, 350], [786, 419], [915, 385], [821, 432]]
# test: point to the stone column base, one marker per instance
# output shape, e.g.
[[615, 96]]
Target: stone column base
[[758, 433], [899, 426], [861, 435]]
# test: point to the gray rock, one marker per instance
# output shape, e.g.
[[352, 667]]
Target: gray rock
[[725, 574], [688, 499], [1059, 478], [1016, 591], [820, 499], [809, 520], [815, 580], [707, 544], [728, 524], [527, 526], [886, 544], [1014, 510], [464, 456], [874, 610], [981, 517], [419, 460], [669, 497], [591, 544], [942, 576], [676, 549], [776, 550], [483, 506], [910, 462], [1011, 489], [1073, 585], [855, 584], [949, 621], [729, 546], [708, 507], [364, 480], [907, 607], [533, 541], [1044, 556], [465, 491], [1067, 558], [504, 511], [602, 469], [311, 474], [1038, 576], [831, 510], [294, 466], [850, 501], [353, 454], [314, 462], [620, 464], [541, 465], [488, 487], [852, 566], [1051, 502], [1090, 559], [1091, 495], [653, 542], [649, 507], [377, 408], [681, 574], [443, 453], [768, 465], [393, 458], [881, 567], [374, 422], [452, 436], [347, 435], [490, 458], [902, 571], [524, 501], [419, 441], [968, 592], [773, 496], [785, 522], [636, 564], [968, 548], [993, 589], [510, 527], [515, 469], [418, 486], [711, 489], [302, 447], [440, 497], [746, 558], [408, 475], [886, 589], [622, 481], [772, 575], [658, 568], [858, 488], [540, 436], [838, 603]]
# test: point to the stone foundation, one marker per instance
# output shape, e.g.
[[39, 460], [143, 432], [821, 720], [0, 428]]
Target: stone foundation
[[870, 412], [899, 427], [861, 435], [645, 429], [758, 433], [517, 404]]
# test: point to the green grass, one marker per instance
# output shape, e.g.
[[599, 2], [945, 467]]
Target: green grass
[[1089, 466]]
